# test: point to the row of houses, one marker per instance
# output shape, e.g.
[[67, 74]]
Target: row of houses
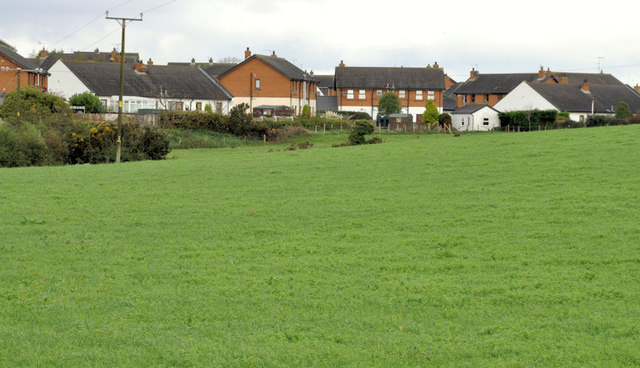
[[270, 85]]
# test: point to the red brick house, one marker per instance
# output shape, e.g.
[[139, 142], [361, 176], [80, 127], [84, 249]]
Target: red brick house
[[30, 74], [262, 80], [360, 88]]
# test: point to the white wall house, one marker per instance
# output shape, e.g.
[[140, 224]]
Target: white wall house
[[180, 88], [579, 100], [475, 118]]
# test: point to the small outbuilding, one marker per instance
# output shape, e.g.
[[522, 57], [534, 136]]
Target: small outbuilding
[[271, 111], [475, 118]]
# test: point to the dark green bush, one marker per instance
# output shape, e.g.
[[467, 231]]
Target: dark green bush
[[357, 115], [358, 132], [528, 120]]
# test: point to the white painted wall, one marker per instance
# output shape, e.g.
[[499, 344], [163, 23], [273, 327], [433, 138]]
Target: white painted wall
[[523, 98], [475, 121], [63, 82]]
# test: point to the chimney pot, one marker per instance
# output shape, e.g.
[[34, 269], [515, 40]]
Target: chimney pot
[[150, 62], [541, 72], [474, 74], [247, 53], [341, 64]]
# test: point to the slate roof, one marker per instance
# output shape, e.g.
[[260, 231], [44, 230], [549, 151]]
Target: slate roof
[[217, 69], [281, 65], [184, 82], [449, 102], [578, 78], [16, 58], [494, 83], [86, 56], [325, 81], [471, 109], [568, 97], [387, 77]]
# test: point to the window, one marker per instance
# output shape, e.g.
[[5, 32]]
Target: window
[[257, 84], [418, 95], [462, 121], [485, 121], [349, 94], [362, 95], [431, 95], [199, 106], [401, 94], [473, 99], [379, 93], [218, 106], [582, 118], [176, 105], [104, 103], [486, 98]]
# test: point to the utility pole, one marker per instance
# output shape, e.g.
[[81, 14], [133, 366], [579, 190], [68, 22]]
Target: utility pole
[[123, 23]]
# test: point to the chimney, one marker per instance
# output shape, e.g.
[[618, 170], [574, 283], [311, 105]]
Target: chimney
[[341, 64], [150, 62], [637, 88], [585, 86], [43, 53], [247, 53], [541, 72], [563, 80], [210, 61], [428, 66], [193, 61], [459, 100], [474, 74], [114, 56], [274, 55], [436, 66], [140, 67]]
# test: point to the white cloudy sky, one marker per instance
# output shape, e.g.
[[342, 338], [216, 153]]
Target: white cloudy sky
[[495, 36]]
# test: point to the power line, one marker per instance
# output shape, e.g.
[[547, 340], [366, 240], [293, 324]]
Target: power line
[[102, 39], [159, 6], [86, 25]]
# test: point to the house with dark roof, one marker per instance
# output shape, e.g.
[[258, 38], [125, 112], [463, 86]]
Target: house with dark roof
[[580, 100], [163, 87], [360, 88], [30, 73], [475, 118], [489, 89], [262, 80], [212, 68], [47, 59]]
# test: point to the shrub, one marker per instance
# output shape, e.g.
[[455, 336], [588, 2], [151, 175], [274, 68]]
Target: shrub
[[90, 102], [600, 120], [354, 115], [623, 112], [528, 120], [358, 132], [35, 105], [306, 111]]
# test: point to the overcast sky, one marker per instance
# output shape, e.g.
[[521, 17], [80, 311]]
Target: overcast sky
[[494, 36]]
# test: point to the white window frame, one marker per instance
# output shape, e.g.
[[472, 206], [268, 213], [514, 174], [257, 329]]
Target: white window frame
[[418, 95], [379, 93], [258, 84], [362, 95], [402, 94], [431, 95], [350, 95], [485, 121]]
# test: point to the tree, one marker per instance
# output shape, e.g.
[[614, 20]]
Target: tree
[[431, 113], [306, 111], [229, 60], [622, 111], [34, 104], [91, 102], [389, 104]]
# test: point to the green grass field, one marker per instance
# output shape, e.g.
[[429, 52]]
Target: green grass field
[[484, 250]]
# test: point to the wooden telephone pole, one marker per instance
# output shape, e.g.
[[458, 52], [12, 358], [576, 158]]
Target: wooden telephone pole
[[123, 23]]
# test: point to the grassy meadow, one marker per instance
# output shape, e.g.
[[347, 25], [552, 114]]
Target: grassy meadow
[[484, 250]]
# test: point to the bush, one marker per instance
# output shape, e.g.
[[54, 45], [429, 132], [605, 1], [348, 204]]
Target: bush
[[528, 120], [91, 102], [358, 132], [354, 115], [35, 105]]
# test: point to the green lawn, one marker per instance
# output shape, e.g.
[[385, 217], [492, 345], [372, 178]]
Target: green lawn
[[484, 250]]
